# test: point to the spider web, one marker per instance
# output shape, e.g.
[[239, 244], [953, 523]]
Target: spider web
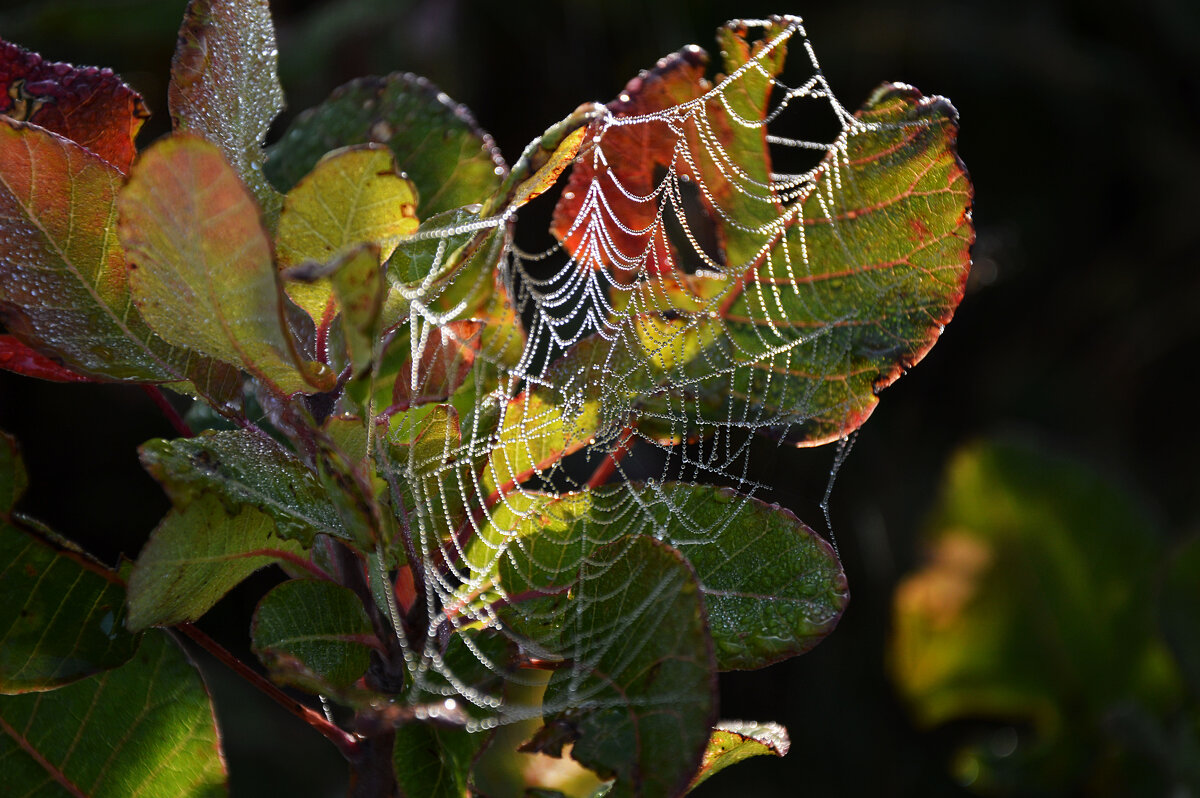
[[678, 307]]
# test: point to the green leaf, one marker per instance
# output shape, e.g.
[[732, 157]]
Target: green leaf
[[224, 87], [559, 415], [1180, 607], [63, 283], [90, 106], [437, 143], [62, 616], [733, 741], [313, 635], [201, 269], [1035, 605], [195, 556], [244, 468], [638, 693], [772, 587], [862, 288], [353, 196], [434, 761], [13, 477], [143, 729], [359, 286]]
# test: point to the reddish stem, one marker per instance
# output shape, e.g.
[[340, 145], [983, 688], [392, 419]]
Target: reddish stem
[[156, 395], [346, 742], [614, 458]]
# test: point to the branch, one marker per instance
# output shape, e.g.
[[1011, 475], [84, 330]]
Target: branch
[[346, 742], [156, 395]]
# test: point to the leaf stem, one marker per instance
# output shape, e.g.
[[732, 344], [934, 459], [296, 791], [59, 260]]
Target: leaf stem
[[346, 742], [612, 460], [156, 395]]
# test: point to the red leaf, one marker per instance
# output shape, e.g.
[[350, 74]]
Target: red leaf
[[445, 363], [90, 106], [20, 359], [632, 158]]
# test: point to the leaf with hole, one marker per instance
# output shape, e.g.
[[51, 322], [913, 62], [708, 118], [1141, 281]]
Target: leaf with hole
[[90, 106]]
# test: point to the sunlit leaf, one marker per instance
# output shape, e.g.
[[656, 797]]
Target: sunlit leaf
[[242, 468], [143, 729], [640, 710], [313, 635], [353, 196], [198, 554], [224, 86], [62, 616], [734, 741], [89, 106], [788, 301], [437, 143], [63, 284], [201, 270]]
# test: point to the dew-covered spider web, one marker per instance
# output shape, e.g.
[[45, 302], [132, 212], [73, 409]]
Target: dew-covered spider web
[[728, 257]]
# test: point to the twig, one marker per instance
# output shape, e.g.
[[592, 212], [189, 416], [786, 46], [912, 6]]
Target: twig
[[156, 395], [346, 742], [612, 460]]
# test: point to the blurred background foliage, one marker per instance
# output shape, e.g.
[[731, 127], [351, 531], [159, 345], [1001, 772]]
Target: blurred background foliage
[[1018, 520]]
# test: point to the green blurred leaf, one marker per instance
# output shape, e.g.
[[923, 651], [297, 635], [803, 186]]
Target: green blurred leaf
[[63, 283], [638, 695], [313, 635], [437, 143], [224, 87], [143, 729], [244, 468], [353, 196], [13, 477], [195, 556], [1035, 606], [359, 286], [62, 616], [1180, 610], [733, 741], [201, 268]]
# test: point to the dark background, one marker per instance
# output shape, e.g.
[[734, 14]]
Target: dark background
[[1080, 328]]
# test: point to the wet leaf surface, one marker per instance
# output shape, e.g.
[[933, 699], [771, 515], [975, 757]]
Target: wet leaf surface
[[224, 87]]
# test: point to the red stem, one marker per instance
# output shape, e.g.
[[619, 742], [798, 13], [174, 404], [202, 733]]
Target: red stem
[[346, 742], [614, 458], [156, 395]]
